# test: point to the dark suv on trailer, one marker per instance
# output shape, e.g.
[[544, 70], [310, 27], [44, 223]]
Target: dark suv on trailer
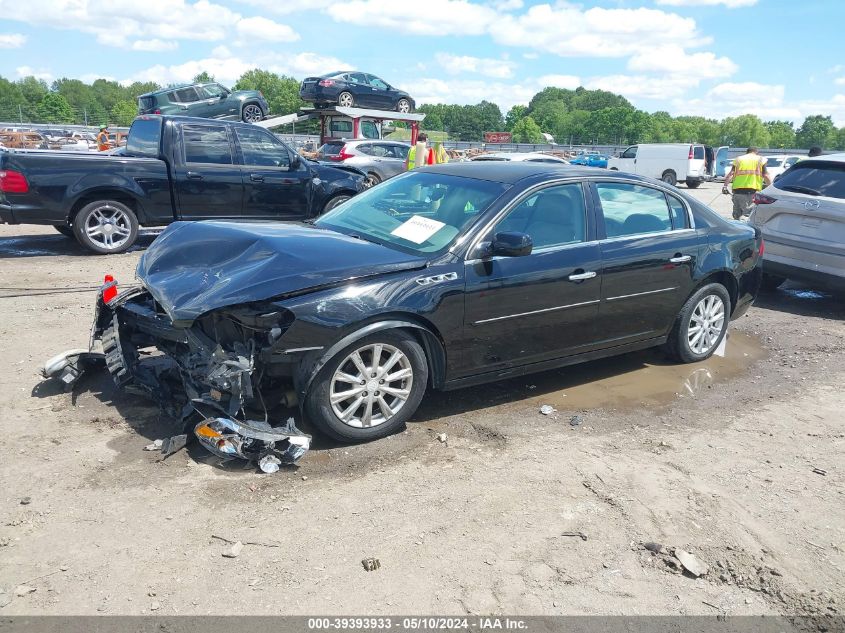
[[209, 101]]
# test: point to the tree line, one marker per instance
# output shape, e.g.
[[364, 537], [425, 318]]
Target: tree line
[[580, 116]]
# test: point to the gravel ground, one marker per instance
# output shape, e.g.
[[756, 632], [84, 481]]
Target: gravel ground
[[738, 461]]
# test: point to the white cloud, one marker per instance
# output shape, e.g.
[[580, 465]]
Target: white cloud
[[227, 68], [570, 82], [731, 4], [635, 87], [569, 31], [262, 28], [289, 6], [116, 22], [436, 17], [531, 55], [839, 81], [28, 71], [674, 60], [154, 45], [12, 40], [457, 64], [507, 5]]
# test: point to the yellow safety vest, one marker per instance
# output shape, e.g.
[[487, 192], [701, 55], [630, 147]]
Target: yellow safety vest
[[413, 163], [748, 172], [431, 156]]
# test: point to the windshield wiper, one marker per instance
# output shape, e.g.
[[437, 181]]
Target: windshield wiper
[[800, 189]]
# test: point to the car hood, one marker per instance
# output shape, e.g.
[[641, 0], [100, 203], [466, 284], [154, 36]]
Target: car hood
[[195, 267]]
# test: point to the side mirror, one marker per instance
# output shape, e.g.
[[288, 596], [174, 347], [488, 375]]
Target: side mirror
[[295, 161], [510, 244]]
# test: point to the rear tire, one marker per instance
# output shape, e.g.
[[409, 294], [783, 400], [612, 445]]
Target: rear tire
[[372, 180], [251, 113], [335, 201], [106, 227], [346, 100], [701, 324], [65, 229], [693, 184], [669, 177], [369, 408], [771, 282]]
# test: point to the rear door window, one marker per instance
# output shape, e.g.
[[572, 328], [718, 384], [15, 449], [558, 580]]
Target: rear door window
[[185, 95], [633, 209], [207, 144], [680, 219], [814, 178], [698, 152]]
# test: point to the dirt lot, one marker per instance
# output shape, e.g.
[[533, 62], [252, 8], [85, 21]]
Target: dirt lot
[[739, 460]]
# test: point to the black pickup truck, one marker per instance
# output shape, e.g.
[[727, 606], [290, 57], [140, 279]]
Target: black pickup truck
[[173, 168]]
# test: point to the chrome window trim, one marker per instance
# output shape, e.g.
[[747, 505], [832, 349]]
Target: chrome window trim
[[640, 294], [636, 236], [522, 314]]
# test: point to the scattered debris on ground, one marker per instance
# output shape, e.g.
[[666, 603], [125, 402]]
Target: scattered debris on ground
[[371, 564]]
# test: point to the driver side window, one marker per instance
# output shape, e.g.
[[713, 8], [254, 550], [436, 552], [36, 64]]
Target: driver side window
[[631, 152], [551, 217], [261, 148]]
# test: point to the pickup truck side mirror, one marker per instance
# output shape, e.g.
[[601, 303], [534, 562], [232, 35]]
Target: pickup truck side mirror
[[295, 161]]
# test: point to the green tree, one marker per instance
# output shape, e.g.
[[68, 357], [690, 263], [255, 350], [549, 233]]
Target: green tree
[[745, 131], [839, 139], [551, 117], [592, 100], [815, 130], [203, 78], [54, 108], [781, 134], [514, 115], [490, 116], [124, 112], [281, 92], [432, 121], [526, 130]]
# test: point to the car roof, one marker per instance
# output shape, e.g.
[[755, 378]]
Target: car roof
[[510, 172], [513, 156], [838, 157]]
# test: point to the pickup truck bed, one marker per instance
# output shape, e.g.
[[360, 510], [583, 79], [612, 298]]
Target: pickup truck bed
[[173, 168]]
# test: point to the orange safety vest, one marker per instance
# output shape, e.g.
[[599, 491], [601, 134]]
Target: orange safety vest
[[102, 141], [748, 172]]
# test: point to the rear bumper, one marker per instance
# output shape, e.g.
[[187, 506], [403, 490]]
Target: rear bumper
[[6, 215], [821, 267]]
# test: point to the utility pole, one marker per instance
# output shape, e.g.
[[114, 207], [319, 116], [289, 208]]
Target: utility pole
[[20, 113], [85, 115]]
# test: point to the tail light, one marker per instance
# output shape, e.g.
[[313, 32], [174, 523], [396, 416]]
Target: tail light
[[13, 182], [762, 248], [690, 152], [156, 111], [325, 83], [759, 198], [341, 155], [109, 289]]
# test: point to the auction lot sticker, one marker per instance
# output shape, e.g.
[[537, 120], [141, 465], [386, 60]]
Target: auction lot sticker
[[417, 229]]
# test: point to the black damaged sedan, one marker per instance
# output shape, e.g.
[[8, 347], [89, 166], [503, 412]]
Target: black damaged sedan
[[441, 278]]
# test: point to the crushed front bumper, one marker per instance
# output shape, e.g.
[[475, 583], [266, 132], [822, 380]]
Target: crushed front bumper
[[190, 375]]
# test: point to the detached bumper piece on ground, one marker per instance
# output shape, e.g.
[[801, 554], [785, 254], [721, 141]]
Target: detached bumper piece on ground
[[192, 377]]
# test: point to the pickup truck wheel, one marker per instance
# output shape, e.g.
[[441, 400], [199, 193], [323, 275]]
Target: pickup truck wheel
[[252, 113], [369, 389], [65, 229], [333, 202], [106, 226]]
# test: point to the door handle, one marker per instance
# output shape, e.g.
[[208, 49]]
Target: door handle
[[194, 175], [582, 276], [680, 259], [256, 178]]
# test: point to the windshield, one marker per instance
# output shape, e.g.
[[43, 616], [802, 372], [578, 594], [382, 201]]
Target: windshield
[[417, 212], [774, 162]]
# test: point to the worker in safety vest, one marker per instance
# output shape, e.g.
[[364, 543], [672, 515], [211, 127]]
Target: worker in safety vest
[[103, 139], [747, 175], [427, 155]]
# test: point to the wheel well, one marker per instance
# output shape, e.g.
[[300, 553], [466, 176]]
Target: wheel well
[[727, 280], [247, 103], [435, 354], [105, 194], [670, 171]]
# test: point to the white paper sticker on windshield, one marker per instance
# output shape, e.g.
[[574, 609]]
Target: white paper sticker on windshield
[[418, 229]]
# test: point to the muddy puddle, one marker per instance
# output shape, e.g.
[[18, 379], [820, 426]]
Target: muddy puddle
[[646, 379]]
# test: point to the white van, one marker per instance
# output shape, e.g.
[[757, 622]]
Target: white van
[[670, 162]]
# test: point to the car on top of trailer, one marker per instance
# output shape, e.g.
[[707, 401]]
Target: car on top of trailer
[[351, 88]]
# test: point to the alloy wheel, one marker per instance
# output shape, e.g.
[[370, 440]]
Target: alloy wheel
[[252, 113], [706, 324], [345, 100], [404, 107], [108, 227], [371, 385]]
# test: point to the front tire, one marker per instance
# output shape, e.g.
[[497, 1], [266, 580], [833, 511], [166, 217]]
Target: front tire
[[701, 325], [403, 106], [693, 184], [369, 389], [335, 201], [669, 177], [252, 113], [345, 100], [106, 227]]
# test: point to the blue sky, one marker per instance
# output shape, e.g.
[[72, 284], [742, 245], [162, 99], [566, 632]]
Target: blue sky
[[776, 58]]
